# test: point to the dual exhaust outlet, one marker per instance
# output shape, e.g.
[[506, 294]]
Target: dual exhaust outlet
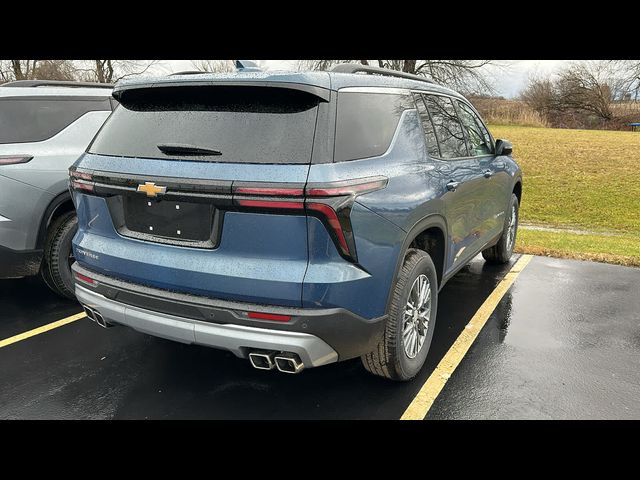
[[286, 362], [97, 317]]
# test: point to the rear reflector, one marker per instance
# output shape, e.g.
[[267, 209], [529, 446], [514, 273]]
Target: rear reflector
[[14, 159], [84, 278], [269, 316]]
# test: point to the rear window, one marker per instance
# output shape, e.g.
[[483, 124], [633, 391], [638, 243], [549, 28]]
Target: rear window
[[37, 119], [366, 123], [243, 124]]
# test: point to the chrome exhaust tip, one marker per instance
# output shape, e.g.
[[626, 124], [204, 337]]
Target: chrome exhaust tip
[[262, 360], [289, 363], [101, 321], [96, 317], [89, 312]]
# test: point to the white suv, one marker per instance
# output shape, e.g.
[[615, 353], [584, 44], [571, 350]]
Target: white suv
[[44, 127]]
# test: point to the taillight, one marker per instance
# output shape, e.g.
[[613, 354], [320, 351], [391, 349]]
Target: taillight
[[334, 224], [270, 204], [273, 192], [81, 180], [330, 202], [14, 159], [352, 187]]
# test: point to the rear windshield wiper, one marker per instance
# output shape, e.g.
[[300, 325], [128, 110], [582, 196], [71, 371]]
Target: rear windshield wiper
[[186, 149]]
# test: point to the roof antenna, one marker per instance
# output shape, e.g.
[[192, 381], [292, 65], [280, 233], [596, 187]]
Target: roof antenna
[[247, 66]]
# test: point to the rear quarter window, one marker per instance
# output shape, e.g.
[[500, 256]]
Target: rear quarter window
[[366, 123], [37, 119]]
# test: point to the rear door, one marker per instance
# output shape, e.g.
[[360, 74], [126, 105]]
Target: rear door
[[463, 183], [173, 163]]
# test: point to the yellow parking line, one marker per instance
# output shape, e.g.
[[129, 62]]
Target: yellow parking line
[[423, 400], [39, 330]]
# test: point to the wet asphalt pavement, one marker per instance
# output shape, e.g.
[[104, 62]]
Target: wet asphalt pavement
[[564, 342]]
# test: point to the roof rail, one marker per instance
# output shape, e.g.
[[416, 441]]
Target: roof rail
[[56, 83], [357, 68]]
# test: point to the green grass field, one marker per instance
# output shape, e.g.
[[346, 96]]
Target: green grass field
[[583, 179]]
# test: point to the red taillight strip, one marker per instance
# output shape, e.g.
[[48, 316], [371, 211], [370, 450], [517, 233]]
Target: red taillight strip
[[81, 185], [334, 223], [355, 188], [274, 192], [80, 175], [84, 278], [270, 204], [269, 316]]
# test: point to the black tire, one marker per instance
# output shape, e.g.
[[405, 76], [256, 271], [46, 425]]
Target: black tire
[[55, 270], [501, 252], [389, 359]]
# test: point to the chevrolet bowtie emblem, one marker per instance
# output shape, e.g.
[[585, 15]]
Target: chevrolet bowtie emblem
[[151, 189]]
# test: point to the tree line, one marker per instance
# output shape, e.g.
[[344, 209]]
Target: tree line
[[582, 94], [587, 94], [102, 71]]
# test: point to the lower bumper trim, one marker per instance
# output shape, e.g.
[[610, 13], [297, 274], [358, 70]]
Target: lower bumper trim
[[239, 339]]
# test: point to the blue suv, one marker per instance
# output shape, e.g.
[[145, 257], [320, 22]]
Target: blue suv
[[297, 219]]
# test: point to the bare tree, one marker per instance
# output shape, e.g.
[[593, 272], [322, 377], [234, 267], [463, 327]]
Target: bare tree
[[6, 72], [109, 71], [214, 66], [469, 76], [585, 86], [539, 95], [628, 79], [23, 69], [36, 69], [54, 70]]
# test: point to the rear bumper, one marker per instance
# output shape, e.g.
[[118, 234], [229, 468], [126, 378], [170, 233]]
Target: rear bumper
[[319, 336], [19, 263]]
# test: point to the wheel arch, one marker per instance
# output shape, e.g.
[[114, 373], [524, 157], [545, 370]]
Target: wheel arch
[[517, 190], [60, 205], [432, 224]]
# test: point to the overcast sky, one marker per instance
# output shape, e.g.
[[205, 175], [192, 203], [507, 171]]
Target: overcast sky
[[507, 80]]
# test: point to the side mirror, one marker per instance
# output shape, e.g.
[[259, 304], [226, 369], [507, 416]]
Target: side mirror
[[503, 147]]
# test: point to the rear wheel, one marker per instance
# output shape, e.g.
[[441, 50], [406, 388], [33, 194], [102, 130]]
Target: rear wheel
[[58, 255], [403, 348], [501, 252]]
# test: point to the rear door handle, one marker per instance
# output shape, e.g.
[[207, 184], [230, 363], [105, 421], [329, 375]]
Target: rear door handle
[[451, 186], [487, 173]]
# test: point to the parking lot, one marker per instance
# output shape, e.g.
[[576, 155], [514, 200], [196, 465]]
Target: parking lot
[[563, 342]]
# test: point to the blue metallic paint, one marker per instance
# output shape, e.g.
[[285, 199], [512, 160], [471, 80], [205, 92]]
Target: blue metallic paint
[[291, 260]]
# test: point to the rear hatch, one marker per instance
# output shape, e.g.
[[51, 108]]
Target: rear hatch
[[165, 192]]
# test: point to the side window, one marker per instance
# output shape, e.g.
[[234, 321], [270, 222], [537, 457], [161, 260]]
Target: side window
[[38, 119], [447, 126], [429, 132], [366, 123], [479, 138]]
